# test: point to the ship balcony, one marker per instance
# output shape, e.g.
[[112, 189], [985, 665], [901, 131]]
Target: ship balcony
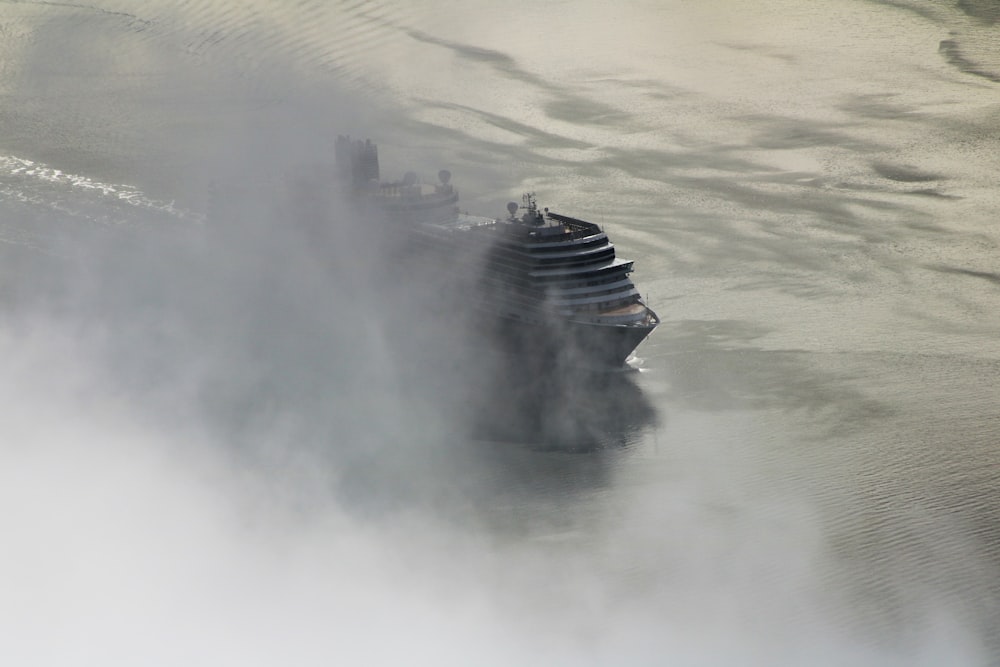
[[594, 287], [596, 299], [635, 314], [575, 273]]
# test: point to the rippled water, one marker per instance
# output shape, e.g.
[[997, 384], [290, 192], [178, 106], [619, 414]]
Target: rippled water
[[216, 447]]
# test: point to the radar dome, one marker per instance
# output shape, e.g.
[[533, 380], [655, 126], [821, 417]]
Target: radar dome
[[512, 208], [409, 178], [444, 176]]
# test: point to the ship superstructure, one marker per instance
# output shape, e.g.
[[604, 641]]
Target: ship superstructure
[[551, 284]]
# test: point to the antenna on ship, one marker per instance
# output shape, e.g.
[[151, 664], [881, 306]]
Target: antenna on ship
[[529, 200], [532, 216], [445, 177]]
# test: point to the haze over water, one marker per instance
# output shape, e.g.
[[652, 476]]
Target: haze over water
[[229, 436]]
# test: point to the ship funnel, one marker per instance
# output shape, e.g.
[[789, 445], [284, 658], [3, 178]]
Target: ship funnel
[[444, 176], [512, 208], [357, 161]]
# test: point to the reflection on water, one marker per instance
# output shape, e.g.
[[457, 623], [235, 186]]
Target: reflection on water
[[562, 410]]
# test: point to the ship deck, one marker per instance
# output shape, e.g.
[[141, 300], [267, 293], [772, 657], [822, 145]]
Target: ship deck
[[463, 222], [631, 309]]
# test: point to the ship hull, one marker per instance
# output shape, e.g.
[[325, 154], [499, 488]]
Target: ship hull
[[567, 343]]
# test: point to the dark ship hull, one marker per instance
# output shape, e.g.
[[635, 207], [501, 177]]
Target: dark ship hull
[[566, 343]]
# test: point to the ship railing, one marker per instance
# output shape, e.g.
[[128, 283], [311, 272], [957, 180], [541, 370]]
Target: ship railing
[[529, 233], [640, 320], [575, 224], [583, 233]]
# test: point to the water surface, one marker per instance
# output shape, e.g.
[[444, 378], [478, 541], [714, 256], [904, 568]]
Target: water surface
[[216, 448]]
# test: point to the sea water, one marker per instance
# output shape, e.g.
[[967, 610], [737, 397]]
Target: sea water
[[223, 442]]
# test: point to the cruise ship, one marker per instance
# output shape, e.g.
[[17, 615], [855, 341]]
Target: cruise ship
[[549, 286]]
